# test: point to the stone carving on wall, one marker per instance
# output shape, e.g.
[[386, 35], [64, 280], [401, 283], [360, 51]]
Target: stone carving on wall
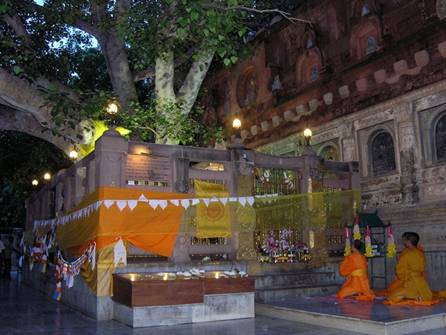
[[409, 187], [247, 88], [308, 67], [441, 9], [440, 138], [365, 37], [348, 146]]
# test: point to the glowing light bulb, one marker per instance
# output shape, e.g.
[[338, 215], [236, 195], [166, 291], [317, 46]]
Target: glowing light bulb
[[73, 154], [47, 176], [308, 133], [112, 108], [35, 182], [236, 123]]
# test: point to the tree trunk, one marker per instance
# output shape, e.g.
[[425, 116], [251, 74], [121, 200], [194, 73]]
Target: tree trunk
[[187, 95], [117, 61]]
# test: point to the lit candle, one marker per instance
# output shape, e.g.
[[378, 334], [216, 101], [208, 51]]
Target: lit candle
[[217, 275], [132, 277], [165, 276]]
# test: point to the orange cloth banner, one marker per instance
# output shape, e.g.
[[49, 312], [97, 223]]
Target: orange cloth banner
[[153, 230]]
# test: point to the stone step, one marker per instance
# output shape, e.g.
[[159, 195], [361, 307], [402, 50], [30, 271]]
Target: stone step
[[275, 294], [297, 279]]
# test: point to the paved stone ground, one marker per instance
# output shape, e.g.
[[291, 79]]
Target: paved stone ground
[[25, 311]]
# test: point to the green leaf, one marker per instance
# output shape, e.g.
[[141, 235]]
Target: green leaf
[[17, 70]]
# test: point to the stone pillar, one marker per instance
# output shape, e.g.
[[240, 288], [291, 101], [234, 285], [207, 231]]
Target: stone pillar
[[243, 218], [111, 159], [181, 175], [407, 149], [180, 183]]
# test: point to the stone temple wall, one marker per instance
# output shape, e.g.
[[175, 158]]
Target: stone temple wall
[[412, 196]]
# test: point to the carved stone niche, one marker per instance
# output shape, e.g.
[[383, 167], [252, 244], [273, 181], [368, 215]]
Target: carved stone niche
[[366, 138], [433, 135], [441, 9], [308, 67], [365, 38], [330, 150], [247, 87]]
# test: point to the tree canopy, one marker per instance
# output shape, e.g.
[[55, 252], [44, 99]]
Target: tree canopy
[[63, 61]]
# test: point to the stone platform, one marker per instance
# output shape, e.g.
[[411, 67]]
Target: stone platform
[[165, 299], [215, 307], [363, 317]]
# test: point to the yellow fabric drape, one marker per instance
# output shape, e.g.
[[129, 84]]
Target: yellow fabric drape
[[212, 220], [153, 230], [100, 279]]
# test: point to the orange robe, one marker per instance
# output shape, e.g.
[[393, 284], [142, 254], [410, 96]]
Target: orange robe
[[413, 287], [354, 267], [396, 283]]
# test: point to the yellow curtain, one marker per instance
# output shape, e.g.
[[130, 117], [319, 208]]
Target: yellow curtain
[[212, 220], [100, 279]]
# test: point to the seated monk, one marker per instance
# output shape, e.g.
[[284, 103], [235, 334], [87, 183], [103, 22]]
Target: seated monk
[[396, 283], [413, 287], [354, 267]]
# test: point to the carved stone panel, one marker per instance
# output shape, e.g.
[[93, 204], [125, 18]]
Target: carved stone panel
[[441, 9]]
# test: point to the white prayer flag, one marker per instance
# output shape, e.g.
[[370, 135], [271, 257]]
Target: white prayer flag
[[175, 202], [108, 203], [242, 201], [250, 200], [154, 203], [121, 204], [142, 198], [224, 201], [132, 204], [163, 203], [206, 201], [185, 203], [195, 202]]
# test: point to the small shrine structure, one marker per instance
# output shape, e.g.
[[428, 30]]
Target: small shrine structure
[[280, 215]]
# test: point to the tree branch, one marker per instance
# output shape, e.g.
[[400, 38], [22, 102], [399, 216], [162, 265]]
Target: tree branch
[[150, 72], [88, 28], [282, 13], [191, 86], [164, 73], [16, 23]]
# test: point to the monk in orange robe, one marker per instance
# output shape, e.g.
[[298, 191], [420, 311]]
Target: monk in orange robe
[[412, 287], [397, 282], [354, 267]]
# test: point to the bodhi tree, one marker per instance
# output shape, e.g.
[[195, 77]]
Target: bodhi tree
[[63, 61]]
